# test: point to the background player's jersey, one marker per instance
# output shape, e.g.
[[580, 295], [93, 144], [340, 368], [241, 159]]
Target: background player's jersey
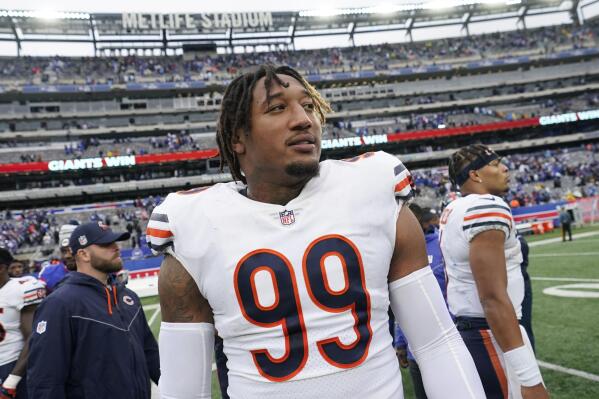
[[460, 222], [14, 296], [298, 291]]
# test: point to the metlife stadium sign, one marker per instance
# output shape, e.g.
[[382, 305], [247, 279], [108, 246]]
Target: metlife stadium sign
[[174, 22]]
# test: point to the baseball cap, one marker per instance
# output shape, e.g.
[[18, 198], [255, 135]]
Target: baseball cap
[[94, 233], [65, 232]]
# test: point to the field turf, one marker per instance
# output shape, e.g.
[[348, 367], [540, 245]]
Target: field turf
[[566, 328]]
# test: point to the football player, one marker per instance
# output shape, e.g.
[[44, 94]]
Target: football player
[[485, 284], [297, 262], [53, 274], [18, 300]]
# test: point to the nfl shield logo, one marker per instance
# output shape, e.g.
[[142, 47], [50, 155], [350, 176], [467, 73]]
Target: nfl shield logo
[[41, 327], [287, 217]]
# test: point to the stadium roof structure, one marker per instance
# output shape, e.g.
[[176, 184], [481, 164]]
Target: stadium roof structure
[[109, 33]]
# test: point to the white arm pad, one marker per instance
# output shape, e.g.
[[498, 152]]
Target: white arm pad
[[522, 361], [186, 360], [447, 368]]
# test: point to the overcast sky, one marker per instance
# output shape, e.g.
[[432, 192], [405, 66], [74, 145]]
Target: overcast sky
[[167, 6]]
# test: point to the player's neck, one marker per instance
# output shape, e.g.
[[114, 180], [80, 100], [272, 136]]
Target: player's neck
[[4, 278], [270, 193]]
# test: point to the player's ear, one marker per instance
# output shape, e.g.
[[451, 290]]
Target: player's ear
[[238, 142], [473, 174]]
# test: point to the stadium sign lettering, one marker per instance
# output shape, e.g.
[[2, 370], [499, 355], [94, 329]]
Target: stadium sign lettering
[[91, 163], [354, 141], [569, 117], [136, 21]]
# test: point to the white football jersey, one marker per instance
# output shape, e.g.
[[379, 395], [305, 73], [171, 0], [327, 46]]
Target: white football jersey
[[299, 292], [460, 222], [14, 296]]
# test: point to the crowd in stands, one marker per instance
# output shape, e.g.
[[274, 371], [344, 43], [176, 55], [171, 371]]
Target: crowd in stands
[[536, 178], [224, 66], [40, 228]]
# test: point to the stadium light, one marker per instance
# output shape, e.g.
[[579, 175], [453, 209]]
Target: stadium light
[[44, 14], [389, 9]]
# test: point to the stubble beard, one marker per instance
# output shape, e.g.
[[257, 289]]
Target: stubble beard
[[107, 266], [303, 170]]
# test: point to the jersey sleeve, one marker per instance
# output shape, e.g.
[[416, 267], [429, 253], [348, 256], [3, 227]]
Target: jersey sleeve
[[403, 185], [33, 292], [159, 234], [487, 213]]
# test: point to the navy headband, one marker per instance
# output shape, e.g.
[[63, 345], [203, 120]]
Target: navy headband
[[479, 162]]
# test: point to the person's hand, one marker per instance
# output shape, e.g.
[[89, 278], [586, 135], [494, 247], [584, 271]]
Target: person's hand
[[402, 356], [6, 393], [535, 392]]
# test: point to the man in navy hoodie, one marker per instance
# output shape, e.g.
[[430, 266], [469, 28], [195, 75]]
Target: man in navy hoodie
[[91, 339]]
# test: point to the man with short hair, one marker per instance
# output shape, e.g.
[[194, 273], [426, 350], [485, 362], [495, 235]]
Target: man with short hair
[[91, 338], [485, 284], [297, 265], [16, 269], [19, 298]]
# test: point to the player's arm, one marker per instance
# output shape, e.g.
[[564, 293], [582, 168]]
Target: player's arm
[[9, 385], [186, 334], [487, 261], [447, 368]]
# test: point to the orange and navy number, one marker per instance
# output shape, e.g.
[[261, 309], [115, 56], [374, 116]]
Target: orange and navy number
[[287, 311]]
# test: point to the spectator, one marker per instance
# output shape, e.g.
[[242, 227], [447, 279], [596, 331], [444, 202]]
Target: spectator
[[92, 337]]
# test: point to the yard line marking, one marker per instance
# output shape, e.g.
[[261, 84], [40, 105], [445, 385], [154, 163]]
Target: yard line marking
[[152, 306], [566, 370], [564, 254], [213, 366], [154, 316], [558, 239], [581, 280]]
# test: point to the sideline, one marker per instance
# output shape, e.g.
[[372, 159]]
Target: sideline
[[566, 370], [559, 239], [580, 280], [568, 254]]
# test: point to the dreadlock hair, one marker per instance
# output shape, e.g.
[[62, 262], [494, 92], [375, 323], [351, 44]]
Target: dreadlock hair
[[236, 109], [460, 159]]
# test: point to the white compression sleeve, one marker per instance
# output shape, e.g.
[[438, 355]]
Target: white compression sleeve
[[447, 368], [186, 351]]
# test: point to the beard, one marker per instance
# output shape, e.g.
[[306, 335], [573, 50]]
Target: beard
[[106, 266], [303, 170]]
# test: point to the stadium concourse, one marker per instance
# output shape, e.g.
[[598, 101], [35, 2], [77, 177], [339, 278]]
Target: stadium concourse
[[106, 138]]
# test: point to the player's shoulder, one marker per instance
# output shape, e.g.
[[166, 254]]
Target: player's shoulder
[[369, 164], [179, 202], [484, 203]]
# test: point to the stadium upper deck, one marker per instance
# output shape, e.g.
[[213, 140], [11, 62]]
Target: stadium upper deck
[[94, 141]]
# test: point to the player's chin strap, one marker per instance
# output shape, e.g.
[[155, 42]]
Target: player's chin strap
[[186, 351], [447, 368]]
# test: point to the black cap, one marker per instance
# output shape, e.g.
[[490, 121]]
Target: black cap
[[94, 233]]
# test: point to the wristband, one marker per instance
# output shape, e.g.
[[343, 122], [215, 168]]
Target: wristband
[[11, 381], [522, 361]]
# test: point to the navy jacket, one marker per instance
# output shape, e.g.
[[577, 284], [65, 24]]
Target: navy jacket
[[90, 341]]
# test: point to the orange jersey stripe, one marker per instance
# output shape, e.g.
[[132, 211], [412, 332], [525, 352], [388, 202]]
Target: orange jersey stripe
[[158, 233], [495, 361], [402, 184], [486, 215]]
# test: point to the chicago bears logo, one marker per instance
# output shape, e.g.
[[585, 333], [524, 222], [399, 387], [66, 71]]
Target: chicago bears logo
[[287, 218]]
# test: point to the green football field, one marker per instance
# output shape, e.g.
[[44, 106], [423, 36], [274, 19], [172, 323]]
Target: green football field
[[565, 278]]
